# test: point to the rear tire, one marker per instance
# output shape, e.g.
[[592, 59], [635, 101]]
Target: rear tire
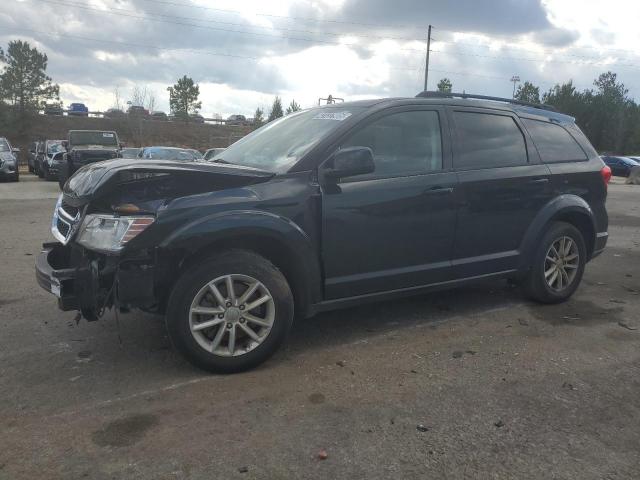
[[41, 171], [227, 346], [558, 264]]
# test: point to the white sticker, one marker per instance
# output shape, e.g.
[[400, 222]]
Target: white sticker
[[339, 116], [108, 135]]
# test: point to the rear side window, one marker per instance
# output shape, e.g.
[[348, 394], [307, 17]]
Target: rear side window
[[553, 142], [487, 140], [403, 144]]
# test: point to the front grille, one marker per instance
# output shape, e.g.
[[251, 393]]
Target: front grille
[[63, 228], [70, 210], [66, 220]]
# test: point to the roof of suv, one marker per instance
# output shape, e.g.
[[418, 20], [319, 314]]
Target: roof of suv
[[518, 109]]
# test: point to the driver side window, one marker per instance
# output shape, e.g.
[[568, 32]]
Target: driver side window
[[403, 144]]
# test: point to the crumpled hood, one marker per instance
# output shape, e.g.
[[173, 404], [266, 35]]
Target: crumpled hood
[[98, 179]]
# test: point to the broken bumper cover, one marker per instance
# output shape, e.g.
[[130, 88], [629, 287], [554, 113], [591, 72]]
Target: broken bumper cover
[[55, 274], [83, 283]]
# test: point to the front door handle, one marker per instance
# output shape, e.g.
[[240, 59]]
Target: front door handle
[[438, 191]]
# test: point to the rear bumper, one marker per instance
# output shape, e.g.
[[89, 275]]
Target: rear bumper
[[600, 243]]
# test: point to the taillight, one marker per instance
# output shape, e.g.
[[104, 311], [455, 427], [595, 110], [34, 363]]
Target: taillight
[[606, 174]]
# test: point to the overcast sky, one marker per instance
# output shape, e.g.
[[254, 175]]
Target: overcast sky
[[243, 52]]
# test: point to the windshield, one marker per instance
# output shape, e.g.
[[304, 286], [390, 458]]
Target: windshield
[[129, 152], [93, 138], [159, 153], [54, 147], [279, 144], [4, 146]]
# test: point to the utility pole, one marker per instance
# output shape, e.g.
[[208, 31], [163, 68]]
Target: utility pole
[[426, 69], [515, 79]]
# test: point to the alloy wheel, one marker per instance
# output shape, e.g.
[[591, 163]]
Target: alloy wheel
[[561, 263], [231, 315]]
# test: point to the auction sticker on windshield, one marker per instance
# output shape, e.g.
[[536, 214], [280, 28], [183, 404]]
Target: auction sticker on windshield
[[339, 116]]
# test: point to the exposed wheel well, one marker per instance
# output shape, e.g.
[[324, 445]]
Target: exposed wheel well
[[583, 223], [272, 250]]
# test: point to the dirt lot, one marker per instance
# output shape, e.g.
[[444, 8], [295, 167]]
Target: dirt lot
[[472, 383]]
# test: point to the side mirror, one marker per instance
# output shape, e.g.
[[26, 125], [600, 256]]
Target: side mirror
[[65, 144], [351, 161]]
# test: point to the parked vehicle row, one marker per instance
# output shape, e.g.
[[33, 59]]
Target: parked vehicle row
[[80, 109], [327, 208]]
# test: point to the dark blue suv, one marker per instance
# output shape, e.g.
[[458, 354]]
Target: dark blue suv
[[326, 208]]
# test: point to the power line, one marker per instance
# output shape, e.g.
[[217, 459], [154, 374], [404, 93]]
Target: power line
[[160, 49], [259, 34], [311, 40], [522, 59], [290, 18], [343, 22], [247, 25]]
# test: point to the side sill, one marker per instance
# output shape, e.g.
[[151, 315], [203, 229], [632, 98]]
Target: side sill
[[404, 292]]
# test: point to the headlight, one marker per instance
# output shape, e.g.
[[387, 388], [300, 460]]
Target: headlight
[[110, 233]]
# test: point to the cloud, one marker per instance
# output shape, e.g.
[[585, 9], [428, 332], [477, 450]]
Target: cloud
[[244, 53]]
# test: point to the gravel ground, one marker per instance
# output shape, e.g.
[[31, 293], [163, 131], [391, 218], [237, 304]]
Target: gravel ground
[[471, 383]]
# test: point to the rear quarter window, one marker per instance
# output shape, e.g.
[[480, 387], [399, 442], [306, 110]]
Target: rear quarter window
[[487, 140], [554, 143]]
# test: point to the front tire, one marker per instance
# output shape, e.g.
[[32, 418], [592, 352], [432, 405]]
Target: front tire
[[230, 312], [558, 264]]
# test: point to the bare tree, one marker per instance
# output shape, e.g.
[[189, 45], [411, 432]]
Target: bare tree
[[117, 101]]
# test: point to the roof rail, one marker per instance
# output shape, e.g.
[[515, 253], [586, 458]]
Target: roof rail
[[430, 94]]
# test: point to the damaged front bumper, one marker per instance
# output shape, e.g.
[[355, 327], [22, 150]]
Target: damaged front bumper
[[90, 282]]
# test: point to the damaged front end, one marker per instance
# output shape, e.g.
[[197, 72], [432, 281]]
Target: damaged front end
[[101, 258]]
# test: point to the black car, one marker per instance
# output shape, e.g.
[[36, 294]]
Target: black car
[[84, 147], [620, 166], [8, 161], [326, 208], [53, 109], [32, 157]]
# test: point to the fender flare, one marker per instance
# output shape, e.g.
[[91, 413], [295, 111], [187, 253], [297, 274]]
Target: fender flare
[[556, 208], [197, 235]]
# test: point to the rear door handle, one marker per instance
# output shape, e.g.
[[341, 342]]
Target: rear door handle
[[538, 181], [438, 191]]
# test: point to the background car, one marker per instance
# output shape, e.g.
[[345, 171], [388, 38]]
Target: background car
[[169, 153], [51, 159], [236, 120], [129, 152], [78, 110], [157, 115], [32, 155], [53, 109], [620, 166], [212, 152], [196, 118], [8, 161], [137, 111], [113, 113]]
